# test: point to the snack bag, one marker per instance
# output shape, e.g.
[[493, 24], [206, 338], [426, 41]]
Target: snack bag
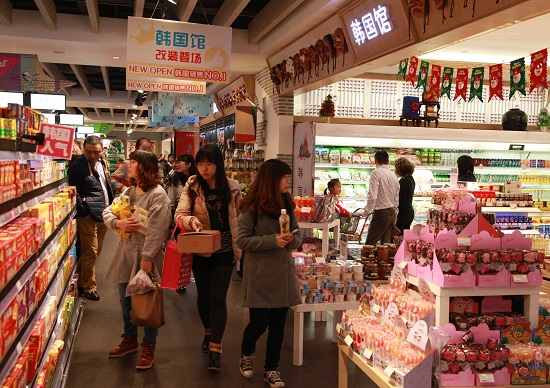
[[121, 209], [142, 216]]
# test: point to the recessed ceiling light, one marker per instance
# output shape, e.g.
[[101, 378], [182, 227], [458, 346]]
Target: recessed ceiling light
[[116, 57], [140, 91], [134, 106], [118, 106], [172, 1]]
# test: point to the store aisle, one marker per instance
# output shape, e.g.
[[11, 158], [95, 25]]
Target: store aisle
[[179, 361]]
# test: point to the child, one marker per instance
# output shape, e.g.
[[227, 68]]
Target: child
[[139, 250]]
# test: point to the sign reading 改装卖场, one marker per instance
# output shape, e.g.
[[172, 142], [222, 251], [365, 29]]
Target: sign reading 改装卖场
[[167, 55]]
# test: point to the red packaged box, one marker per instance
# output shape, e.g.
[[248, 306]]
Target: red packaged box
[[36, 344], [8, 335], [10, 269]]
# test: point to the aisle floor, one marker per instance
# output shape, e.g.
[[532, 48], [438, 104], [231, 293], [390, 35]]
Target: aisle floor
[[179, 361]]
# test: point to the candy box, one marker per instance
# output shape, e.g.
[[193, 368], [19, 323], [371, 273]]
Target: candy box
[[205, 241]]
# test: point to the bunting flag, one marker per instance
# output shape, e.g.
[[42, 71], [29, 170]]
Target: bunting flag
[[423, 75], [517, 76], [435, 82], [403, 68], [495, 81], [447, 82], [476, 83], [413, 68], [461, 83], [538, 76]]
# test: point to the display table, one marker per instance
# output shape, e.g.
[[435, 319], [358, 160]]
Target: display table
[[299, 310], [324, 226]]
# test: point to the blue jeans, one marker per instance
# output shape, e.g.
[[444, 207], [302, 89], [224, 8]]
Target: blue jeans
[[150, 336]]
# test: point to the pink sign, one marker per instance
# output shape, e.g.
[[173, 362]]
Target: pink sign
[[58, 141]]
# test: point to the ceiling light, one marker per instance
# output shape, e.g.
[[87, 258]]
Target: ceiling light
[[116, 57], [118, 106], [172, 1], [134, 106], [129, 131], [140, 91]]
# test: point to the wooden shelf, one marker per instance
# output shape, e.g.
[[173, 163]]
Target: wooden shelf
[[345, 354]]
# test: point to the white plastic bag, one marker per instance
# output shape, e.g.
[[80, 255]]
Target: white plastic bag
[[140, 284]]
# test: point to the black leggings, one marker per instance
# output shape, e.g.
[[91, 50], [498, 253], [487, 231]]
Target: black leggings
[[260, 320], [212, 278]]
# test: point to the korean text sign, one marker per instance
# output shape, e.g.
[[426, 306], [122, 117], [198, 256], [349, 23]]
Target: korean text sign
[[162, 50], [58, 141]]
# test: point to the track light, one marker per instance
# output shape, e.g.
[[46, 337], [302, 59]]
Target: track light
[[129, 131], [172, 1], [140, 91], [140, 99]]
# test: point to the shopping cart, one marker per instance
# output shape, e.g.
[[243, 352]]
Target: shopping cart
[[353, 225]]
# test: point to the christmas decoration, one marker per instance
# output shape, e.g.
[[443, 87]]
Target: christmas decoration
[[327, 107], [538, 76], [517, 77], [461, 83], [447, 82], [476, 84], [403, 68], [495, 81], [413, 68], [423, 75], [435, 82], [543, 119]]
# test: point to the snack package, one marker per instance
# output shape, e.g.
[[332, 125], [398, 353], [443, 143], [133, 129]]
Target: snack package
[[323, 154], [345, 155], [355, 176], [345, 174], [121, 209], [142, 216], [334, 156]]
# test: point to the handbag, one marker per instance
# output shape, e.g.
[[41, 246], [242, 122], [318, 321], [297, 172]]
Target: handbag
[[148, 308], [176, 271]]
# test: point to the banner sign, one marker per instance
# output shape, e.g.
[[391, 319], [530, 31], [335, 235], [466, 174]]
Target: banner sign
[[173, 104], [185, 143], [58, 141], [303, 157], [189, 87], [169, 52]]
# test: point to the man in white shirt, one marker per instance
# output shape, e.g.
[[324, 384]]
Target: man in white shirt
[[382, 201]]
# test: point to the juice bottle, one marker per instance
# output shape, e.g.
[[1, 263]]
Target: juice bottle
[[284, 221]]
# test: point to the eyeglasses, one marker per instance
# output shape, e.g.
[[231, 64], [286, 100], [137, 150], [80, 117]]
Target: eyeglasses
[[205, 165]]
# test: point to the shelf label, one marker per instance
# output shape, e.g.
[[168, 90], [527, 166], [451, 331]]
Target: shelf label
[[486, 378], [339, 328], [513, 205], [367, 353], [348, 340], [519, 278], [403, 264], [463, 241], [375, 308], [389, 371], [306, 210]]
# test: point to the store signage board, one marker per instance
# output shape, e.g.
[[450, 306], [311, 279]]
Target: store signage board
[[178, 86], [71, 119], [170, 52], [48, 101], [58, 141], [375, 28], [303, 159], [10, 98]]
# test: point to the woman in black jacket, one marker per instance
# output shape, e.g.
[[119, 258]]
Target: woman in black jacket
[[404, 169], [465, 165]]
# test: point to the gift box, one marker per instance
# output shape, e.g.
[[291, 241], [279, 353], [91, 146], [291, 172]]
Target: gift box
[[205, 241]]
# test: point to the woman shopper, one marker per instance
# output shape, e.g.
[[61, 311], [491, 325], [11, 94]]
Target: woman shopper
[[139, 250], [404, 169], [269, 282], [465, 165], [184, 167], [210, 200]]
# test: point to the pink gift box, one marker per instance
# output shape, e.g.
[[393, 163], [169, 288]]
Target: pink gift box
[[501, 376], [500, 279], [534, 279], [465, 378]]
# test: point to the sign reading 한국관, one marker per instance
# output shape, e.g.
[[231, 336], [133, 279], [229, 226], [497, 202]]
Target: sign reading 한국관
[[166, 54]]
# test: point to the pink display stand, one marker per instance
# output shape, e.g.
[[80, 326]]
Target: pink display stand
[[465, 378], [516, 240], [534, 279], [449, 240], [501, 377]]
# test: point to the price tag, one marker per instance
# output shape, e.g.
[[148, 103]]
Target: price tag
[[513, 205], [486, 378], [339, 328], [404, 319], [403, 264], [375, 308], [463, 241], [519, 278], [306, 210], [389, 370], [348, 340], [320, 260], [367, 353]]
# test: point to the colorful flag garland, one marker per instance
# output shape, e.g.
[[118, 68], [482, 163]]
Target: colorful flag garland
[[476, 83], [517, 77], [447, 82], [423, 75], [413, 68], [495, 81], [538, 76], [403, 64], [461, 84]]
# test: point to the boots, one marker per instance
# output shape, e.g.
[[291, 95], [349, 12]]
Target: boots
[[147, 356], [127, 346], [214, 356], [206, 340]]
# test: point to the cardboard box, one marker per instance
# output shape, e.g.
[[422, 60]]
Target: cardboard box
[[205, 241]]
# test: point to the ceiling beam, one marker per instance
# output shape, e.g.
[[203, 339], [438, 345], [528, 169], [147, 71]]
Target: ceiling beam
[[105, 73], [112, 112], [48, 11], [81, 76], [5, 12], [228, 12], [185, 9], [53, 71], [138, 8], [93, 13], [98, 112], [271, 15], [84, 112], [70, 110]]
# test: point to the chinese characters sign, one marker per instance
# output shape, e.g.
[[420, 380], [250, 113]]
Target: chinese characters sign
[[163, 55], [375, 28], [58, 141], [303, 159]]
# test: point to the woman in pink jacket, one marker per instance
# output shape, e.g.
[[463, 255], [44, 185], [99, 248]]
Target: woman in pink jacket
[[211, 201]]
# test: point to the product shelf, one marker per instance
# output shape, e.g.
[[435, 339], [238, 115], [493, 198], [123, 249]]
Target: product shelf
[[15, 349], [522, 231], [495, 209], [345, 353]]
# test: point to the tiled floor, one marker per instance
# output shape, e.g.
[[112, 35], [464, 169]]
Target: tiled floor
[[179, 361]]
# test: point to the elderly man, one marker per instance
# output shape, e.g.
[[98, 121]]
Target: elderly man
[[89, 174]]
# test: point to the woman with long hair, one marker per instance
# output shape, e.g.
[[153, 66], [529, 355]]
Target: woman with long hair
[[465, 165], [269, 282], [211, 201], [184, 167], [404, 169], [139, 250]]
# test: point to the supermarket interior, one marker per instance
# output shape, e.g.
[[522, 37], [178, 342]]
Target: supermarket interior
[[457, 297]]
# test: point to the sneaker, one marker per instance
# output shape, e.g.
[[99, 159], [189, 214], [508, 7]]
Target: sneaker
[[147, 356], [246, 366], [273, 378], [127, 346]]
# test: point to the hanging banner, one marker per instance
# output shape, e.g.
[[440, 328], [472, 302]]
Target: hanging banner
[[538, 76], [476, 83], [517, 76], [435, 83], [495, 81], [461, 86], [423, 75], [179, 86], [402, 72], [303, 158], [171, 51], [58, 141], [447, 82], [413, 68], [173, 104], [185, 143]]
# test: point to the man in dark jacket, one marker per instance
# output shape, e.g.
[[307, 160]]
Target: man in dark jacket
[[89, 174]]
